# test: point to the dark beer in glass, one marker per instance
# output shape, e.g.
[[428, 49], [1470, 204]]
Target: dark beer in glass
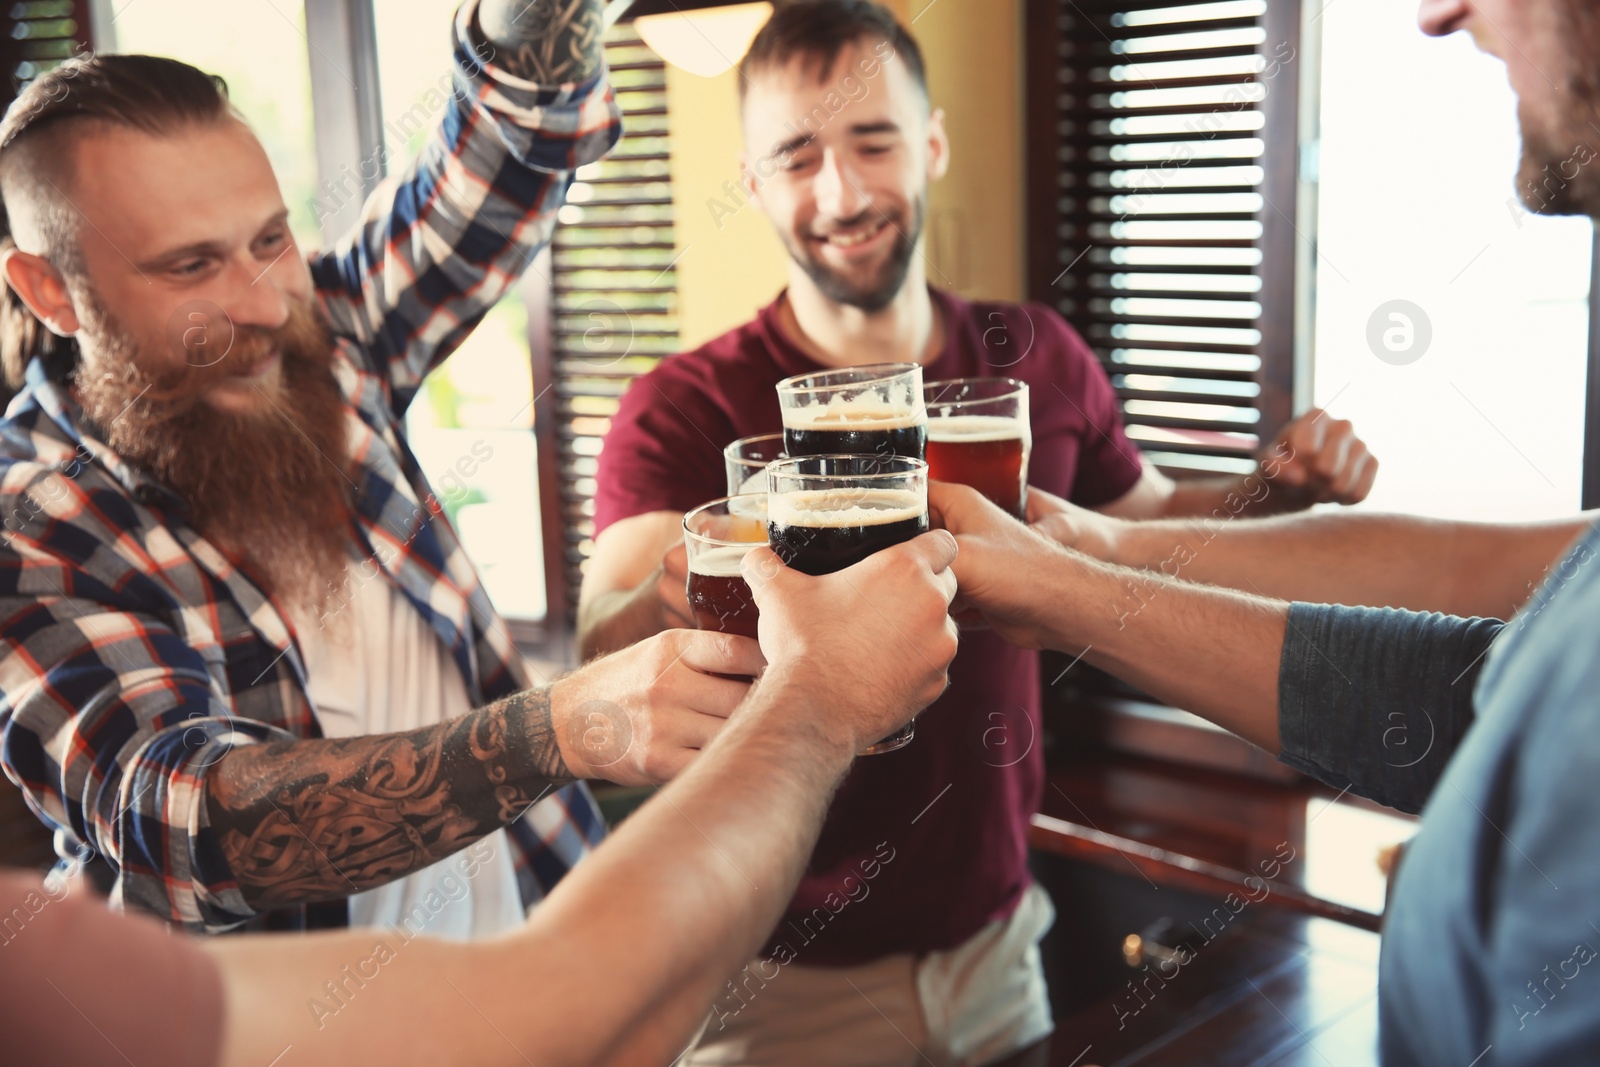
[[825, 513], [875, 410], [716, 537], [746, 462], [978, 435]]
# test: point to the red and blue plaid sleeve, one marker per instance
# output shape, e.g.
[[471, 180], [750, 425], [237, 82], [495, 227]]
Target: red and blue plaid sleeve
[[109, 720], [439, 244]]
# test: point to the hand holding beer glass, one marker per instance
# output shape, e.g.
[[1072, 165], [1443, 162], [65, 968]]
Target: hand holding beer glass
[[828, 512], [978, 435]]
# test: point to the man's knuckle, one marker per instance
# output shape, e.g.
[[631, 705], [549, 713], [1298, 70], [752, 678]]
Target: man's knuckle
[[658, 691], [653, 766]]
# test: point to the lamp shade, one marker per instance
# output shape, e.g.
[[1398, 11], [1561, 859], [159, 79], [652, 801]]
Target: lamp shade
[[708, 41]]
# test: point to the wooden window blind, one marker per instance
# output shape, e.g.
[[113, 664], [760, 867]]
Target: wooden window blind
[[35, 35], [613, 308], [38, 35], [1162, 176]]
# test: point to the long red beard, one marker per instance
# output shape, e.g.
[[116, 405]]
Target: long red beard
[[271, 488]]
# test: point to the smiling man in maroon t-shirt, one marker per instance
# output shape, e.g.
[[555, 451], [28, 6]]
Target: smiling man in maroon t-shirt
[[914, 935]]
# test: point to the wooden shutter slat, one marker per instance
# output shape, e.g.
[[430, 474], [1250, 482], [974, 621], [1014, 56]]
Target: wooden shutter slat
[[614, 254], [1104, 83], [1082, 138], [1103, 56], [1172, 294], [1097, 335]]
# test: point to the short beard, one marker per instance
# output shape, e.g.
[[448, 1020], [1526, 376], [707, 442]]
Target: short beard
[[270, 489], [1556, 176], [891, 279]]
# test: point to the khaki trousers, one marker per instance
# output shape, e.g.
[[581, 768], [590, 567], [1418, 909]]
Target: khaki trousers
[[980, 1001]]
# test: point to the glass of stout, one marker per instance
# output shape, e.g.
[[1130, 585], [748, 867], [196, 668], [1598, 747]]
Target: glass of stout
[[875, 410], [746, 462], [716, 537], [825, 513], [978, 435]]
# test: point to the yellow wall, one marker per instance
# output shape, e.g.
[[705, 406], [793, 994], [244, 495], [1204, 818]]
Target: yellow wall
[[973, 49], [730, 265]]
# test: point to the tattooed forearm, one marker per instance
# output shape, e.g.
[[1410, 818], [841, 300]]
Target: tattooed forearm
[[551, 42], [300, 821]]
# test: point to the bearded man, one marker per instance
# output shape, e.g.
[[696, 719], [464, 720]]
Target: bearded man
[[248, 676], [1486, 676]]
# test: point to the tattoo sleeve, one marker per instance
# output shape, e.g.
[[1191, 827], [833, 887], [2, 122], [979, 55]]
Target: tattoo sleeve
[[549, 42], [301, 821]]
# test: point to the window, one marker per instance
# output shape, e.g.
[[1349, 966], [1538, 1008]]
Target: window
[[34, 37], [1477, 409], [38, 35], [598, 309], [1162, 202], [481, 402], [613, 309], [260, 50]]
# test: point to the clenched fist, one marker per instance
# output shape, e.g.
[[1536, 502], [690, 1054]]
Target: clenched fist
[[1320, 461]]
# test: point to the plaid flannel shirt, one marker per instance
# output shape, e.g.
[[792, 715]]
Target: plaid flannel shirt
[[133, 655]]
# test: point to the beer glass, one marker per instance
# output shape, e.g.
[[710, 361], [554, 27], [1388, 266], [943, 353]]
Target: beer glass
[[875, 410], [825, 513], [978, 435], [746, 462], [716, 537]]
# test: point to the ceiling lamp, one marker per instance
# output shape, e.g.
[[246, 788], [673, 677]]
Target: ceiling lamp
[[707, 41]]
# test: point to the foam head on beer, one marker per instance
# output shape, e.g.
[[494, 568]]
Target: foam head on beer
[[875, 410], [820, 531], [870, 408], [868, 423], [717, 536]]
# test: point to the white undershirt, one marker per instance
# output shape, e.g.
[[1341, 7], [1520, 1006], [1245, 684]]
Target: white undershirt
[[375, 666]]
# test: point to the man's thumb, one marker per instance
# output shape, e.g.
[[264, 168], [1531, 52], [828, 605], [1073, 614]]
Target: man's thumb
[[760, 567]]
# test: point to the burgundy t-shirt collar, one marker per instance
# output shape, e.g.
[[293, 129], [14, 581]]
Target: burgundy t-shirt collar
[[792, 359]]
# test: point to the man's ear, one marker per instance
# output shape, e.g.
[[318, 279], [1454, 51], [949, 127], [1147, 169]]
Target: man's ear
[[42, 288], [938, 146]]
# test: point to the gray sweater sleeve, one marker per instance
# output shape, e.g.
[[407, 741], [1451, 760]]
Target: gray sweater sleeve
[[1377, 699]]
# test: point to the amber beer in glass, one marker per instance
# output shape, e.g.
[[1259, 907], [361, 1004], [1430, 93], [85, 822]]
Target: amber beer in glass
[[746, 462], [874, 410], [716, 537], [825, 513], [978, 435]]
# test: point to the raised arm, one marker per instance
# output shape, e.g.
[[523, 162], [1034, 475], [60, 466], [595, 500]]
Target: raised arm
[[1355, 558], [1338, 692], [442, 241]]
